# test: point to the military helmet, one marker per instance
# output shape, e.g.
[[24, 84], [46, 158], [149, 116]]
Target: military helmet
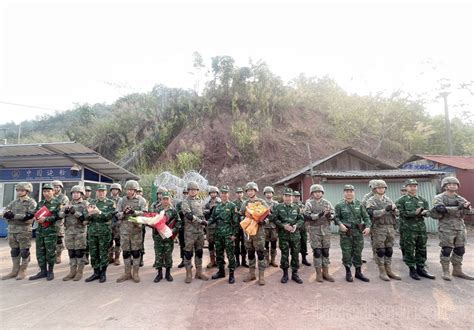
[[25, 186], [57, 183], [449, 179], [47, 186], [185, 190], [251, 185], [193, 185], [225, 188], [213, 189], [132, 184], [140, 189], [88, 188], [296, 193], [371, 183], [239, 190], [161, 190], [288, 191], [166, 194], [411, 182], [268, 189], [78, 188], [316, 187], [115, 186], [104, 187], [348, 187], [379, 184], [403, 188]]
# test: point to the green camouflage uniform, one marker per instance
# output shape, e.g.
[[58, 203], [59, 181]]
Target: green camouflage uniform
[[99, 232], [47, 234], [303, 233], [271, 231], [353, 215], [76, 231], [63, 201], [239, 249], [211, 228], [164, 246], [115, 240]]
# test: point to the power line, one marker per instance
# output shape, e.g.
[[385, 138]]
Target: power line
[[28, 106]]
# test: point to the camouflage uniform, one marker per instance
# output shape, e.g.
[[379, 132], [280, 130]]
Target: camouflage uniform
[[211, 228], [289, 214], [19, 214], [181, 240], [303, 233], [319, 227], [114, 249], [239, 249], [63, 200], [450, 209], [271, 232]]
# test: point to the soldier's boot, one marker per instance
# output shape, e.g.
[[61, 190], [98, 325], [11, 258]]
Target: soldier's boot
[[219, 274], [326, 275], [251, 275], [181, 265], [72, 273], [189, 274], [127, 275], [457, 272], [50, 272], [59, 252], [79, 272], [111, 256], [237, 260], [212, 262], [159, 276], [284, 278], [348, 274], [15, 269], [295, 277], [42, 274], [304, 261], [140, 264], [319, 274], [86, 258], [446, 275], [94, 276], [261, 277], [200, 275], [390, 273], [117, 256], [244, 261], [103, 274], [273, 254], [414, 274], [22, 272], [231, 277], [421, 271], [168, 276], [383, 273], [360, 276], [135, 275]]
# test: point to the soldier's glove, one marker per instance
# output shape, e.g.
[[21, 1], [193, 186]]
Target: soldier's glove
[[28, 216], [72, 209], [189, 216], [441, 209], [8, 215], [320, 215], [388, 208], [66, 210]]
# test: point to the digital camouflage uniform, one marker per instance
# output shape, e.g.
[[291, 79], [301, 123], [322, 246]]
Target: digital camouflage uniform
[[19, 214], [211, 228], [271, 232], [63, 200]]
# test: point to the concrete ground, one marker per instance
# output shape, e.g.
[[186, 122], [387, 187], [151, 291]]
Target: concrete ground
[[218, 305]]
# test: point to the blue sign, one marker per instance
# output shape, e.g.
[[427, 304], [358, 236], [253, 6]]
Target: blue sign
[[38, 174]]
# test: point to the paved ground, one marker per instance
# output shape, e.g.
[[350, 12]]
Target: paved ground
[[217, 305]]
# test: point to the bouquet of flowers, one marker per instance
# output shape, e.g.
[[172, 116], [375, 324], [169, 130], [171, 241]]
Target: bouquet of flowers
[[255, 213], [155, 220]]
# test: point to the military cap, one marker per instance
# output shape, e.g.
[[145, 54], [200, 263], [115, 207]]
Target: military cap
[[348, 187], [411, 182], [87, 188], [101, 187], [47, 186], [288, 191], [166, 194], [296, 193], [239, 190], [225, 188]]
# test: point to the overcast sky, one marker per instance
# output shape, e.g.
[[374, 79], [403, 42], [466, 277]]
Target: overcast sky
[[58, 53]]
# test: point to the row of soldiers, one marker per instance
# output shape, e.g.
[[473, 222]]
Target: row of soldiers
[[96, 225]]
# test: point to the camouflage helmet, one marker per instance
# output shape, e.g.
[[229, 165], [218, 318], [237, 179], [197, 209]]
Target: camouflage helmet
[[166, 194], [251, 185], [57, 183], [316, 187], [296, 193], [225, 188], [403, 188], [268, 189], [348, 187], [239, 190], [78, 188], [48, 186], [185, 190], [411, 182], [213, 189], [192, 185], [288, 191], [161, 190], [104, 187], [116, 186], [371, 183], [24, 186], [132, 184], [87, 188], [379, 184], [140, 189], [449, 179]]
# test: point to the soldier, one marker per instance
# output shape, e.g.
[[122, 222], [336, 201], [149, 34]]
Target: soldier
[[164, 246], [76, 232], [19, 214], [63, 200], [88, 193], [289, 220], [240, 250], [369, 194], [47, 234], [383, 213], [182, 243], [226, 218], [211, 229], [131, 234], [353, 222], [303, 230], [403, 191], [319, 212], [99, 233], [271, 232], [413, 209], [193, 232], [255, 243], [140, 193], [114, 249], [450, 208]]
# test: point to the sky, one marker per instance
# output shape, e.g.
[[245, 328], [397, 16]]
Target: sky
[[57, 54]]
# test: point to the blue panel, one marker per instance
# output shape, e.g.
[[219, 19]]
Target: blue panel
[[90, 175], [37, 174], [106, 179]]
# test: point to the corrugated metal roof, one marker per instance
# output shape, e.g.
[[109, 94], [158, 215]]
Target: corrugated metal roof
[[60, 154], [379, 174], [461, 162]]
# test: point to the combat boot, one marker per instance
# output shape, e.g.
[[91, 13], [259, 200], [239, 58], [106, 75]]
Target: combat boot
[[181, 265], [295, 277], [421, 271], [390, 273], [58, 256], [457, 272], [200, 275], [50, 272], [326, 275], [360, 276], [79, 272], [127, 275], [244, 261], [304, 261], [22, 272], [272, 258], [135, 276], [159, 276], [414, 274], [72, 273], [446, 275], [111, 256], [189, 274], [383, 273], [284, 278], [94, 276], [103, 276], [168, 276], [348, 274], [219, 274], [319, 274], [212, 262], [251, 275], [231, 277], [261, 277], [237, 261], [42, 274], [117, 257], [15, 269]]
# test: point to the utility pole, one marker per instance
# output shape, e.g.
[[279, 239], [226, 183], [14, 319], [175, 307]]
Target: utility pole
[[444, 95], [19, 133]]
